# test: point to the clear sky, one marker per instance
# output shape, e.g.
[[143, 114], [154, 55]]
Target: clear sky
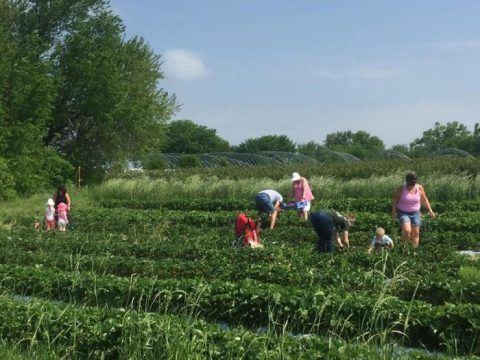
[[307, 68]]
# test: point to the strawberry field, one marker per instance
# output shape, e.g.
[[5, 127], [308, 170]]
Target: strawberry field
[[144, 273]]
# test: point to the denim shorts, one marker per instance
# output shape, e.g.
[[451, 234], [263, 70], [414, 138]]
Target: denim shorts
[[263, 203], [411, 217]]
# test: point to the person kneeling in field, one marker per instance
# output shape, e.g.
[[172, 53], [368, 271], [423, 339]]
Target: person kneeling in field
[[380, 240], [247, 232]]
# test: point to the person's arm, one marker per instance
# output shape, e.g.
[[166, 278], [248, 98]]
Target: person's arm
[[425, 202], [345, 239], [396, 198], [274, 214], [68, 201], [339, 241], [389, 239], [255, 237], [372, 245]]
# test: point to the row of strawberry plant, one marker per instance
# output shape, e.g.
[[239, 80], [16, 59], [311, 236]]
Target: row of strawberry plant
[[196, 247], [437, 287], [141, 221], [436, 250], [257, 304], [102, 333], [226, 204]]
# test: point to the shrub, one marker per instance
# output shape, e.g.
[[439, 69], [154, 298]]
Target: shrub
[[189, 161]]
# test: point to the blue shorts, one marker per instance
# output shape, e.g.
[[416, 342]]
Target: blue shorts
[[411, 217], [263, 203]]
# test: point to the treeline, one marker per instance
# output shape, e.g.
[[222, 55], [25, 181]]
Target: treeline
[[184, 136]]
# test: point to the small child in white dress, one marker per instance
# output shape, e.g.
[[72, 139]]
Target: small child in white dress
[[50, 215], [380, 240]]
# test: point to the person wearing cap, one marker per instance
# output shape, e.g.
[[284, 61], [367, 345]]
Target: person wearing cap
[[407, 201], [329, 224], [268, 202], [301, 192], [50, 214]]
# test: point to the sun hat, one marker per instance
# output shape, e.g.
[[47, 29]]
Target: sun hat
[[295, 176], [62, 206], [50, 202]]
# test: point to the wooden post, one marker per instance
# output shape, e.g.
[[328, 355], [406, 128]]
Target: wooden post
[[79, 178]]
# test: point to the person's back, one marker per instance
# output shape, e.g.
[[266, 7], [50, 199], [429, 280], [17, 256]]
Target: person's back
[[246, 231]]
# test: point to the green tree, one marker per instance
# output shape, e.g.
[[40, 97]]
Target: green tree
[[453, 134], [184, 136], [27, 90], [108, 108], [266, 143], [72, 88], [360, 144], [310, 149]]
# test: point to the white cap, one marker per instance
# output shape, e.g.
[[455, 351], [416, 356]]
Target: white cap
[[50, 202], [295, 176]]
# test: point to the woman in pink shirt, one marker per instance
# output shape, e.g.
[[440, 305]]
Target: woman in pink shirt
[[406, 205], [301, 192]]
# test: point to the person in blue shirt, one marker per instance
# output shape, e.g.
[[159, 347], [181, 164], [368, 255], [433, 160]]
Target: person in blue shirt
[[380, 240]]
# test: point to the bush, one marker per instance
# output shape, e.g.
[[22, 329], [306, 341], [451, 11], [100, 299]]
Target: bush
[[189, 161], [154, 163]]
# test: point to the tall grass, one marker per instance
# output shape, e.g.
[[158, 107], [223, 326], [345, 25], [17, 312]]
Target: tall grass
[[438, 187]]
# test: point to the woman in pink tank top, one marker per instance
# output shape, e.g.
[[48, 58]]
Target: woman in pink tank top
[[406, 205], [301, 192]]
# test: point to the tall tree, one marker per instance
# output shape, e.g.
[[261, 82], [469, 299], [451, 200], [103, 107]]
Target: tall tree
[[310, 149], [266, 143], [184, 136], [27, 90], [72, 88], [108, 108], [361, 144], [453, 134]]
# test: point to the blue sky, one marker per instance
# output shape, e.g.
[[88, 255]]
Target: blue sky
[[306, 68]]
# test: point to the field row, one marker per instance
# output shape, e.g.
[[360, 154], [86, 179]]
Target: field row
[[373, 205], [255, 304], [108, 333]]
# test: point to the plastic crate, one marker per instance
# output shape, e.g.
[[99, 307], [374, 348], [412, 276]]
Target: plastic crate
[[294, 205]]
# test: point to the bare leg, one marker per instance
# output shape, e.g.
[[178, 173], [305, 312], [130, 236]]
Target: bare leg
[[415, 236], [305, 215], [406, 232]]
